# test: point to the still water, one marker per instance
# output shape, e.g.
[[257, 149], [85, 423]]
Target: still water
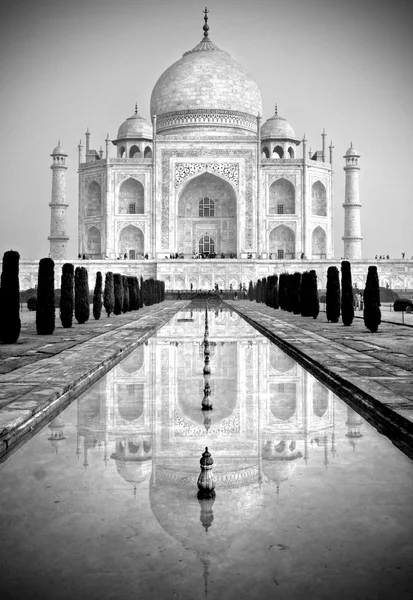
[[311, 502]]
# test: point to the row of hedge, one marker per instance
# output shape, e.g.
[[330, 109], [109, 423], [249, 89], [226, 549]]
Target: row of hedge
[[121, 294], [297, 293]]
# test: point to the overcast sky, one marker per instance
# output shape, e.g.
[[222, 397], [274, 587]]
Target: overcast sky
[[345, 66]]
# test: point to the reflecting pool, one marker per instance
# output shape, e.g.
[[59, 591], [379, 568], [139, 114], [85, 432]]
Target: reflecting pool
[[311, 501]]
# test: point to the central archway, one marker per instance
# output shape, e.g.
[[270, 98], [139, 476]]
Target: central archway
[[207, 210]]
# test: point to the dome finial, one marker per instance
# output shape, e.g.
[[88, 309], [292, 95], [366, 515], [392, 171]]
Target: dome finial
[[206, 26], [276, 109], [136, 108]]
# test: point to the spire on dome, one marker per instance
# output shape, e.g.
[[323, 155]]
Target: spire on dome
[[276, 110], [136, 108], [206, 26]]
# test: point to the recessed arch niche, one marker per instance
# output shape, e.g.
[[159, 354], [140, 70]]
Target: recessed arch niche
[[283, 400], [280, 361], [319, 199], [319, 243], [193, 224], [320, 399], [131, 197], [93, 199], [94, 242], [131, 241], [282, 197], [129, 400], [282, 241]]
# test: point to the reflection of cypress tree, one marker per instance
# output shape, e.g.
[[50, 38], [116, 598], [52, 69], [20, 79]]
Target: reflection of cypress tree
[[10, 298], [125, 287], [67, 296], [97, 296], [45, 312], [296, 293], [118, 290], [109, 294], [371, 296], [333, 295], [347, 301], [314, 301], [82, 307]]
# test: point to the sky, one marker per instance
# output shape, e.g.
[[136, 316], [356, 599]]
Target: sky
[[342, 65]]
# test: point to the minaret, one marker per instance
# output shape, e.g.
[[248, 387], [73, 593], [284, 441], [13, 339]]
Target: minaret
[[58, 236], [352, 223]]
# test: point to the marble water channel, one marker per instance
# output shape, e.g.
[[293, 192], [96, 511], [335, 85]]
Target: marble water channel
[[311, 501]]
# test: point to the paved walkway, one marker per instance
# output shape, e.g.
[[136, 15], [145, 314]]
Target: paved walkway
[[374, 372], [40, 373]]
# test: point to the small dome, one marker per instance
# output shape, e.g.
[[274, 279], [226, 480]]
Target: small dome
[[135, 127], [352, 151], [59, 150], [277, 127]]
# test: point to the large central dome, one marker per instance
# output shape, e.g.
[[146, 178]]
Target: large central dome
[[206, 87]]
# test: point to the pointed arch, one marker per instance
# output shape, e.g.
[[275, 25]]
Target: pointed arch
[[265, 152], [320, 399], [93, 199], [282, 197], [93, 240], [291, 152], [278, 151], [131, 197], [147, 152], [282, 242], [121, 152], [283, 400], [280, 361], [134, 152], [318, 199], [319, 243], [129, 400], [131, 242]]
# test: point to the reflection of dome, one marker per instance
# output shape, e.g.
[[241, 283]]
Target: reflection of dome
[[135, 127], [207, 79], [277, 127], [134, 472], [278, 470]]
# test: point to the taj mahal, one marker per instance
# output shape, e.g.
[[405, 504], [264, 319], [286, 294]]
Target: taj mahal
[[209, 177]]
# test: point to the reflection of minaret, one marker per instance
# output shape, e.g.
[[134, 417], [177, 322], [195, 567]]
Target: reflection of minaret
[[206, 563], [56, 431], [207, 515], [354, 422]]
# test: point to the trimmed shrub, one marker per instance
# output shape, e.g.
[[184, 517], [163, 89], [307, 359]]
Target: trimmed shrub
[[333, 295], [305, 294], [97, 296], [296, 293], [263, 290], [10, 324], [118, 291], [313, 300], [347, 300], [66, 295], [82, 306], [125, 287], [402, 304], [109, 294], [45, 309], [371, 296]]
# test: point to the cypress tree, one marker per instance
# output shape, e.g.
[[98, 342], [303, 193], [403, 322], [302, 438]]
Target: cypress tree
[[97, 296], [250, 291], [118, 291], [82, 306], [347, 300], [314, 301], [333, 295], [263, 289], [109, 294], [296, 293], [125, 287], [10, 324], [141, 292], [275, 300], [371, 296], [132, 298], [281, 291], [258, 292], [305, 294], [45, 310], [66, 295]]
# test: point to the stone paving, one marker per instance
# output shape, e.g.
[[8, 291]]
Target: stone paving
[[40, 374], [372, 371]]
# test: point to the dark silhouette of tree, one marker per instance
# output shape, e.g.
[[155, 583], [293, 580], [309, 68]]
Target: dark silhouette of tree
[[313, 299], [347, 300], [109, 294], [296, 293], [258, 292], [125, 286], [45, 309], [97, 296], [333, 295], [10, 324], [118, 290], [371, 296], [67, 299], [82, 306]]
